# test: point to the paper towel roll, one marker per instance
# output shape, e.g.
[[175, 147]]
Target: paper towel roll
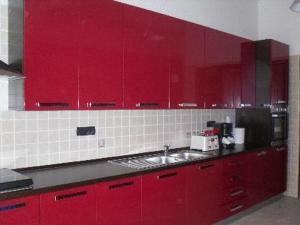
[[239, 135]]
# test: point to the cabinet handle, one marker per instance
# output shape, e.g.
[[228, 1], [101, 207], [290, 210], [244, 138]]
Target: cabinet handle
[[280, 149], [236, 193], [236, 208], [166, 175], [188, 105], [246, 105], [100, 104], [71, 195], [143, 104], [262, 153], [52, 104], [203, 167], [225, 105], [266, 105], [125, 184], [12, 207], [281, 102], [214, 105]]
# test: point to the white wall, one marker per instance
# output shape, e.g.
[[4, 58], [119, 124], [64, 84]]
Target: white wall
[[278, 22], [237, 17]]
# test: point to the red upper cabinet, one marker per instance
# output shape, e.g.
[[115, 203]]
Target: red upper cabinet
[[122, 197], [21, 211], [101, 55], [187, 59], [203, 188], [146, 65], [217, 74], [163, 197], [280, 72], [51, 40], [74, 206]]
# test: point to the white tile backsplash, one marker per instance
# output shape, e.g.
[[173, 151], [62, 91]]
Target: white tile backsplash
[[42, 138]]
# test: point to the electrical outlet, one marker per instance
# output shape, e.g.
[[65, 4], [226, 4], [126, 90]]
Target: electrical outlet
[[101, 143]]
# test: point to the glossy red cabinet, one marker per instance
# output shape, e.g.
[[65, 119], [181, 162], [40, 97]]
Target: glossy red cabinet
[[187, 45], [280, 72], [101, 55], [203, 193], [21, 211], [163, 197], [119, 202], [74, 206], [146, 65], [51, 41]]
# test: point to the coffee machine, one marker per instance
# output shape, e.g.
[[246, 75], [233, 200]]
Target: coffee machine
[[226, 140]]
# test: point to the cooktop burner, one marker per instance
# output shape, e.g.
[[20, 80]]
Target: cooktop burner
[[13, 181]]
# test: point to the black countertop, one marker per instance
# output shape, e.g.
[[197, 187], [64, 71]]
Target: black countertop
[[56, 177]]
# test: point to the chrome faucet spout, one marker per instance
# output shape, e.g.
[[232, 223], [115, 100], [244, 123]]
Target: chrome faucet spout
[[166, 149]]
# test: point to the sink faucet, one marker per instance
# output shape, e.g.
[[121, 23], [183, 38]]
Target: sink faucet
[[166, 149]]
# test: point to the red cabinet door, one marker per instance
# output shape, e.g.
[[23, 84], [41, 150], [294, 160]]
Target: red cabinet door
[[247, 75], [203, 188], [217, 75], [74, 206], [187, 59], [163, 197], [101, 55], [259, 179], [279, 170], [51, 54], [122, 197], [21, 211], [146, 65], [280, 72]]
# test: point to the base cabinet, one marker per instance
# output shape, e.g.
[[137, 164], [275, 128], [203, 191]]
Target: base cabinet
[[203, 188], [163, 198], [21, 211], [74, 206], [119, 202]]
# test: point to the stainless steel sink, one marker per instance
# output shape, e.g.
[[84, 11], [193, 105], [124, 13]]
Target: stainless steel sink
[[163, 159], [188, 155]]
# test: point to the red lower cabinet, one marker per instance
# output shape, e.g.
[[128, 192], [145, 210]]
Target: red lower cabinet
[[203, 185], [21, 211], [163, 198], [119, 202], [76, 206]]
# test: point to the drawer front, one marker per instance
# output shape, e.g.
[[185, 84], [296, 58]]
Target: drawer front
[[234, 194], [233, 208], [21, 211], [234, 180], [234, 165]]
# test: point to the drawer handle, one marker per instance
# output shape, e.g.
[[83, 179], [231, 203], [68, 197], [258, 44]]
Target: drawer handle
[[262, 153], [143, 104], [188, 105], [246, 105], [203, 167], [236, 193], [52, 104], [116, 186], [12, 207], [166, 175], [214, 105], [100, 104], [236, 208], [71, 195]]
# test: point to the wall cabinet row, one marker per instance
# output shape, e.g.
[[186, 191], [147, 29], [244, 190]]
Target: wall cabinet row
[[108, 55], [201, 193]]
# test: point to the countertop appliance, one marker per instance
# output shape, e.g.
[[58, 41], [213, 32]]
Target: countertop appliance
[[13, 181], [225, 136], [264, 126], [204, 143]]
